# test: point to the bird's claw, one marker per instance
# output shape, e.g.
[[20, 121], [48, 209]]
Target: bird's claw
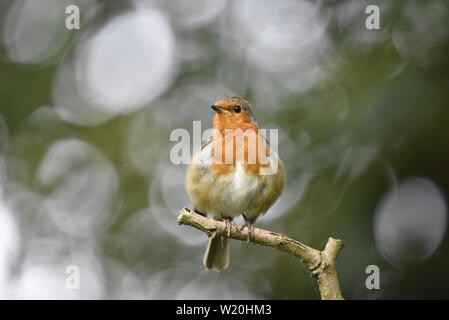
[[229, 224], [250, 232]]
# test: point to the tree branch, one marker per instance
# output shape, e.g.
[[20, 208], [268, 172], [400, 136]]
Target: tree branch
[[322, 264]]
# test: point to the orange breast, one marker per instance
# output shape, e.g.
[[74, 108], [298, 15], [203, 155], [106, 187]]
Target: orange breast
[[242, 145]]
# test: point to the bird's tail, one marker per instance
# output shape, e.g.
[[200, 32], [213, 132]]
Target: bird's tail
[[217, 254]]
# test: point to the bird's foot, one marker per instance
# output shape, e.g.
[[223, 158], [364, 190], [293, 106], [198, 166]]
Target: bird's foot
[[250, 232], [229, 224]]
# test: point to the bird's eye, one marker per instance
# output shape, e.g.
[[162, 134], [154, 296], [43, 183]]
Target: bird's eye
[[237, 109]]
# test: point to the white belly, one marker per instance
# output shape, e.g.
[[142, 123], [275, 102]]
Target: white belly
[[236, 193]]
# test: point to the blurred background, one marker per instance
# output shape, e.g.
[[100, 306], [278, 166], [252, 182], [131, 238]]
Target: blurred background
[[86, 116]]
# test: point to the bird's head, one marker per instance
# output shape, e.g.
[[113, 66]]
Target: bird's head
[[233, 112]]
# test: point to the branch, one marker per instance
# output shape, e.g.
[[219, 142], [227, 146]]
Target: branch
[[322, 264]]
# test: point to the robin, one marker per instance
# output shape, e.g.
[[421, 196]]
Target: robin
[[227, 179]]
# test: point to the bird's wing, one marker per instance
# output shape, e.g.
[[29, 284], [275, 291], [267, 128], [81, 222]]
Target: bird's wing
[[206, 143], [203, 158]]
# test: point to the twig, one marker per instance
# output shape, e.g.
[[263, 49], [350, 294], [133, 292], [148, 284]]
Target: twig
[[322, 264]]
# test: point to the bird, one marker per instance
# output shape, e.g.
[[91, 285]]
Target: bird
[[225, 178]]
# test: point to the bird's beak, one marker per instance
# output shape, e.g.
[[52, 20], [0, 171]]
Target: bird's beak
[[218, 109]]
